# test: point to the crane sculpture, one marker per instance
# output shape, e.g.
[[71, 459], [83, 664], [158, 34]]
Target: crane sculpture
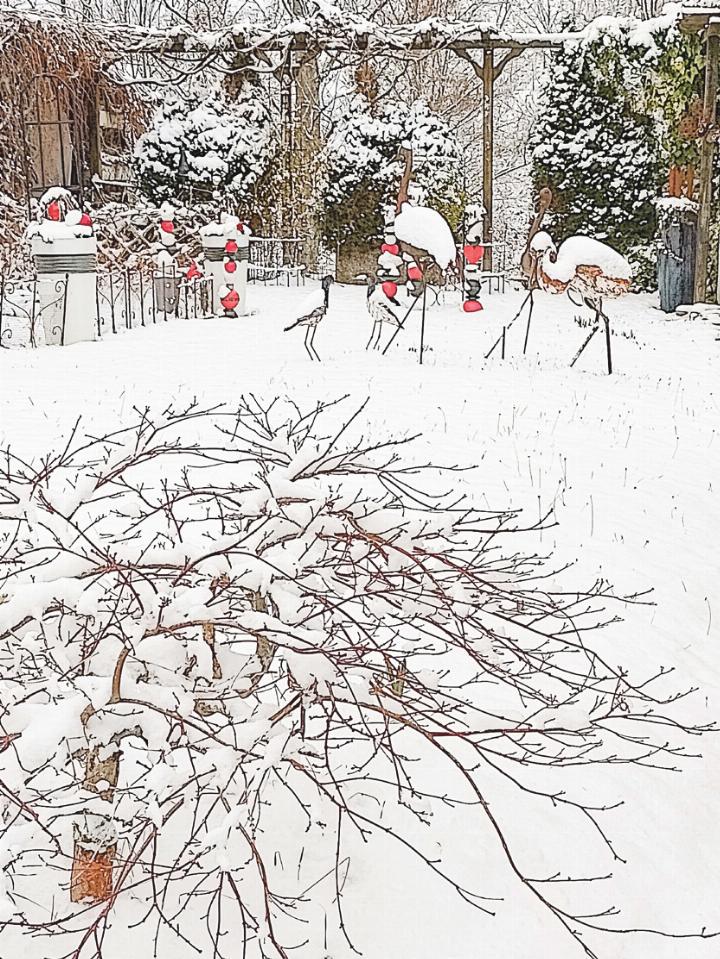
[[422, 238], [581, 265], [528, 265]]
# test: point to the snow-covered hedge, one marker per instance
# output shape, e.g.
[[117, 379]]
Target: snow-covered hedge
[[363, 170], [216, 145], [607, 133]]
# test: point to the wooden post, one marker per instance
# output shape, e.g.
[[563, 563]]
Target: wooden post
[[488, 79], [707, 151]]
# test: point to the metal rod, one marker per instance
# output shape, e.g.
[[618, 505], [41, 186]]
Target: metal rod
[[592, 333], [2, 302], [502, 350], [112, 303], [64, 315], [519, 312], [527, 328], [400, 326], [422, 322], [608, 346]]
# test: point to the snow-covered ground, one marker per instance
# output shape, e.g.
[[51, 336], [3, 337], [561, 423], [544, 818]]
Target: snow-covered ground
[[630, 463]]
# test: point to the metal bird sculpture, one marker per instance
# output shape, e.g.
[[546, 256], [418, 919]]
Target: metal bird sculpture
[[380, 312], [317, 306]]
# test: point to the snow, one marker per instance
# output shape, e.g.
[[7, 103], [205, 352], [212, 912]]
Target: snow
[[630, 464], [579, 251], [428, 230], [51, 230]]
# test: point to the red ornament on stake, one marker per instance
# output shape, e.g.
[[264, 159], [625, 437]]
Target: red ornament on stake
[[414, 272], [389, 289], [390, 248], [167, 226], [230, 266], [472, 306], [231, 247], [230, 300]]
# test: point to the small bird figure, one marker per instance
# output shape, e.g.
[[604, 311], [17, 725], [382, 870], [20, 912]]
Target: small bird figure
[[317, 304], [380, 312]]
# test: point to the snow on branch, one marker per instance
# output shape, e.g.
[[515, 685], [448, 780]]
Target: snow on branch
[[331, 28], [235, 642]]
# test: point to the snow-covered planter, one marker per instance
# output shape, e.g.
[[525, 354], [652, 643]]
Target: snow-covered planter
[[237, 646], [65, 253]]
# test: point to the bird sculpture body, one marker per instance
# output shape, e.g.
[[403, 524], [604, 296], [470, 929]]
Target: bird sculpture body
[[316, 307], [380, 313], [423, 235], [581, 265]]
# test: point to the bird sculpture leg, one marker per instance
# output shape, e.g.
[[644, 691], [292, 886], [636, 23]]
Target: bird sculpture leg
[[400, 325], [313, 331], [372, 335], [527, 328], [422, 322], [500, 339], [608, 347], [376, 344], [590, 335], [307, 343]]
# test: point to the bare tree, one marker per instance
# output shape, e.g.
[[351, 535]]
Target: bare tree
[[232, 638]]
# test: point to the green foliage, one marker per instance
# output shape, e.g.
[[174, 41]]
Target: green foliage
[[608, 133], [677, 79], [216, 146], [363, 171]]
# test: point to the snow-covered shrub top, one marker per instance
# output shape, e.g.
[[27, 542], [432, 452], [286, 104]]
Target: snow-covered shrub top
[[363, 169], [219, 145]]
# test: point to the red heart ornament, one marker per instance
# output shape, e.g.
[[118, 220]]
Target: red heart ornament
[[414, 273], [472, 306], [473, 252], [167, 226], [389, 289], [390, 248], [231, 246]]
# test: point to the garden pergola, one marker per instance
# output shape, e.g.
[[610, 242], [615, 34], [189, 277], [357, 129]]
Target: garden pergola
[[290, 50], [287, 49]]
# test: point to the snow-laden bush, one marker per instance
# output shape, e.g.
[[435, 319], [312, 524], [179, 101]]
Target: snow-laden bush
[[194, 150], [607, 131], [237, 644], [363, 171]]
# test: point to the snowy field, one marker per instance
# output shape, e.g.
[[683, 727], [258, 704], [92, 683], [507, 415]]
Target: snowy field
[[630, 464]]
